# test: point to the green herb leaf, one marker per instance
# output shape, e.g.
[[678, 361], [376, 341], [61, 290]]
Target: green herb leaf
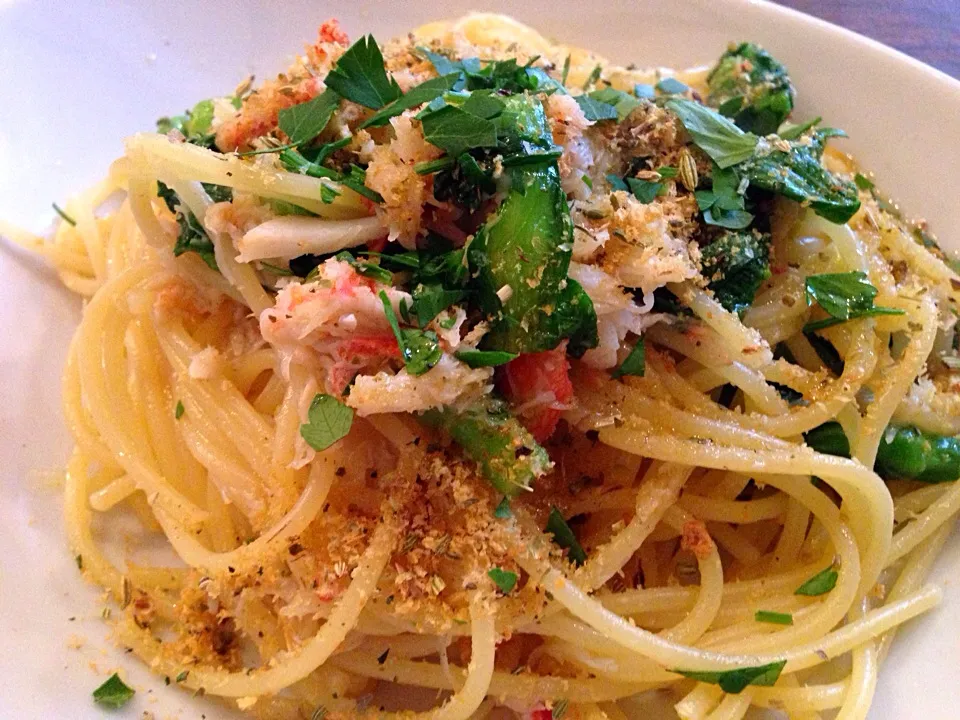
[[735, 265], [504, 579], [617, 183], [735, 681], [303, 122], [789, 131], [564, 537], [634, 363], [775, 618], [751, 86], [422, 93], [863, 182], [502, 510], [592, 77], [419, 348], [441, 63], [643, 90], [724, 142], [328, 194], [328, 420], [671, 86], [114, 693], [667, 171], [595, 110], [823, 582], [644, 190], [457, 131], [66, 218], [566, 70], [192, 236], [429, 300], [179, 410], [485, 358], [843, 296], [360, 76]]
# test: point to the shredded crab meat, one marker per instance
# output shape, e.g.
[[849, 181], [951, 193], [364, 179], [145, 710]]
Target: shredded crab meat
[[617, 313], [392, 175], [448, 383]]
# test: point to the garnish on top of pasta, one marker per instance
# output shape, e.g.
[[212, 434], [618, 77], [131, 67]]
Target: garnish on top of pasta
[[473, 363]]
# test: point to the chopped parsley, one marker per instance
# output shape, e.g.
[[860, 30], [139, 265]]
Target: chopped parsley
[[735, 681], [672, 86], [361, 76], [843, 296], [179, 410], [505, 580], [564, 537], [863, 182], [423, 93], [457, 131], [634, 363], [821, 583], [419, 348], [718, 137], [645, 190], [114, 693], [303, 122], [485, 358], [502, 510], [774, 618], [735, 265], [328, 420], [595, 110]]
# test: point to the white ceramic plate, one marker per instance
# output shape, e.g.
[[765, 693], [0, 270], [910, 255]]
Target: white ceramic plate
[[76, 79]]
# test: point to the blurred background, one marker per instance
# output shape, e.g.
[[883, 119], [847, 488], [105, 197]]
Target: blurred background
[[929, 30]]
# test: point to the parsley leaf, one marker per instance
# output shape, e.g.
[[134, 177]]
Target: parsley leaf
[[114, 693], [328, 420], [823, 582], [485, 358], [303, 122], [178, 410], [423, 93], [360, 76], [457, 131], [717, 136], [624, 102], [194, 124], [735, 681], [441, 63], [635, 363], [504, 579], [645, 190], [643, 90], [564, 537], [502, 510], [429, 300], [595, 110], [775, 618], [735, 265], [566, 70], [723, 205], [192, 236], [671, 86], [863, 182], [419, 348], [593, 77], [789, 131], [843, 296]]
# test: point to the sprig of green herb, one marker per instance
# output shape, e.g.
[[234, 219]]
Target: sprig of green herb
[[114, 693], [735, 681], [423, 93], [821, 583], [457, 131], [360, 76], [328, 420], [774, 618], [843, 296], [304, 121], [485, 358], [718, 137], [595, 110], [564, 537], [419, 348], [634, 363], [505, 580]]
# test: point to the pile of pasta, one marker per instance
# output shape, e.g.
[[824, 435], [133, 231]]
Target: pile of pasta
[[702, 518]]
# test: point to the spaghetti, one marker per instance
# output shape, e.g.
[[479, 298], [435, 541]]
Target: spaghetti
[[460, 366]]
